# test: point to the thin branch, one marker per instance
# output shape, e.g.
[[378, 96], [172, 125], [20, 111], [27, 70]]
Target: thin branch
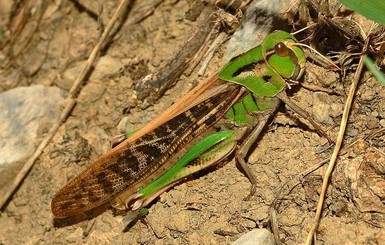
[[341, 133]]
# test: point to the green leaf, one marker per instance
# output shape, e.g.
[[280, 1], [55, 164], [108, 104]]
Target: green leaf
[[374, 70], [371, 9]]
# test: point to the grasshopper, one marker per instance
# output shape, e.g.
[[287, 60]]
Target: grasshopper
[[186, 138]]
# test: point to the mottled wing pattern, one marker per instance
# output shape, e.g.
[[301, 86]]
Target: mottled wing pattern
[[118, 170]]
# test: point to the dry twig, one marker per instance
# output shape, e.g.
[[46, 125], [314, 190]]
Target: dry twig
[[341, 133]]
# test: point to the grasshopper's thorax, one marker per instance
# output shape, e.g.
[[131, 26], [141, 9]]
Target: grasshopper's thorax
[[243, 112]]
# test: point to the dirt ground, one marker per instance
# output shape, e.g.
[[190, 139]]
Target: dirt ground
[[209, 209]]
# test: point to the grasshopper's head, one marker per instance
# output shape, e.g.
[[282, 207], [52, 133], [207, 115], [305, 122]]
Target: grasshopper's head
[[283, 55]]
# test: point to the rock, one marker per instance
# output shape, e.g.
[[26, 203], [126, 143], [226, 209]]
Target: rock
[[256, 237], [252, 32], [92, 92], [22, 111], [365, 174], [104, 66], [322, 108]]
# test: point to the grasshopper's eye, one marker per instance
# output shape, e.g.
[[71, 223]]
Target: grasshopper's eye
[[281, 49]]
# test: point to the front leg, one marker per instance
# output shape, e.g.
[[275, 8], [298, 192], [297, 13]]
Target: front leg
[[282, 96]]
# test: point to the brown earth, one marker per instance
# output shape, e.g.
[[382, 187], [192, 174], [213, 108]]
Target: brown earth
[[210, 208]]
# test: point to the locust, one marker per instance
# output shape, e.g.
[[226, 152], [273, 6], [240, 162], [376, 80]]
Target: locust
[[220, 118]]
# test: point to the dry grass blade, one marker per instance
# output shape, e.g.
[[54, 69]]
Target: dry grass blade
[[341, 133], [210, 52], [284, 190], [71, 101]]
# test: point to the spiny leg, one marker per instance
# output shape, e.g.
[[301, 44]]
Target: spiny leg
[[244, 149], [204, 153], [282, 96]]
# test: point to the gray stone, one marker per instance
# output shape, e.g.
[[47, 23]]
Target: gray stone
[[256, 237], [22, 111], [104, 66]]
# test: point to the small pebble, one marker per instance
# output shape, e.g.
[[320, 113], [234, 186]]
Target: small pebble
[[256, 237]]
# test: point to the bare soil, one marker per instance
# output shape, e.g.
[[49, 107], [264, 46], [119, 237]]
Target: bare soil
[[208, 209]]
